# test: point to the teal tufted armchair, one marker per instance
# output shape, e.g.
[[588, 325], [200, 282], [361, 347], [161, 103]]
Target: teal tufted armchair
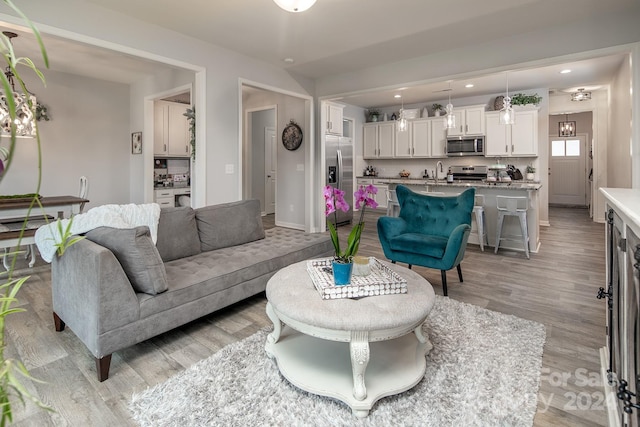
[[431, 231]]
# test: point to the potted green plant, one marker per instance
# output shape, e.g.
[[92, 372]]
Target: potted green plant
[[530, 171], [373, 114], [437, 109], [523, 99]]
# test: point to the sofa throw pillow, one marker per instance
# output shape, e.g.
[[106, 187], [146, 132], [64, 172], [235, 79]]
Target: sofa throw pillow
[[229, 224], [137, 254], [177, 233]]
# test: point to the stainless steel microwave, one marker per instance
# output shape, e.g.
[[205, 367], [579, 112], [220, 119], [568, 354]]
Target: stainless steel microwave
[[465, 146]]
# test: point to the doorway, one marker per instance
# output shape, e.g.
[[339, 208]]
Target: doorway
[[568, 171], [262, 157]]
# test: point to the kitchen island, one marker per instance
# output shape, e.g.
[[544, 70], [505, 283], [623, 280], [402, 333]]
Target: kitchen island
[[489, 190]]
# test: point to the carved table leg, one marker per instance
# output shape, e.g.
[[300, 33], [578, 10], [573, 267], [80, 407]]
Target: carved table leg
[[274, 336], [423, 339], [359, 349]]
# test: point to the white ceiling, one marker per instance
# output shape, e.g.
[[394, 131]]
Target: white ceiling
[[337, 36]]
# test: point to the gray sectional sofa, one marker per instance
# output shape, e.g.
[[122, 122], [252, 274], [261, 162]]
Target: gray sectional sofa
[[115, 288]]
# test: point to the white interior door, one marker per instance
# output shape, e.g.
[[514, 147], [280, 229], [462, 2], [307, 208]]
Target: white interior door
[[270, 166], [568, 171]]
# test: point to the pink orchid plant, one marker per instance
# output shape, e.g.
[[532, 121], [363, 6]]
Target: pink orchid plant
[[334, 199]]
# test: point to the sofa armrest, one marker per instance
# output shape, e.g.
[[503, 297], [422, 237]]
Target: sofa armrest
[[91, 293], [389, 226]]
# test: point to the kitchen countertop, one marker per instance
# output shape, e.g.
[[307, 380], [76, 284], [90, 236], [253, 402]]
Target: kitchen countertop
[[513, 185]]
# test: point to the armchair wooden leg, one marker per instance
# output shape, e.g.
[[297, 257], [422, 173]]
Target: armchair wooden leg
[[102, 367], [459, 273], [409, 266], [58, 322], [444, 281]]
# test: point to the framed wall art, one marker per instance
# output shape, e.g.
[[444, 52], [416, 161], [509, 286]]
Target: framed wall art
[[136, 143]]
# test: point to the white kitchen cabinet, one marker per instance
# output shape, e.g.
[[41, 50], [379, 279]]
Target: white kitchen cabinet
[[420, 137], [171, 130], [165, 198], [404, 142], [381, 195], [469, 121], [517, 140], [334, 119], [378, 140], [438, 138]]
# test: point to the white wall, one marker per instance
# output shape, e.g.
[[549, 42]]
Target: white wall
[[619, 150], [88, 134]]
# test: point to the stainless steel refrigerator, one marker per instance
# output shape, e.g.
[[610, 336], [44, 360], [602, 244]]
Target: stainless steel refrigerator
[[339, 164]]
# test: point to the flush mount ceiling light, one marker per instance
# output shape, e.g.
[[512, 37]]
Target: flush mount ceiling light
[[580, 95], [567, 128], [449, 118], [25, 105], [402, 121], [506, 115], [295, 5]]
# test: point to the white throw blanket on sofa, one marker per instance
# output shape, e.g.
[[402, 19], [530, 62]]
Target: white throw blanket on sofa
[[116, 216]]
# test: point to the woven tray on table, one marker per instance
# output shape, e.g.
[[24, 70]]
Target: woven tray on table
[[381, 281]]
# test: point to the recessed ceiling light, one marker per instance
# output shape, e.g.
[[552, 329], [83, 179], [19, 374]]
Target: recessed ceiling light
[[397, 96], [566, 71], [468, 85], [288, 60]]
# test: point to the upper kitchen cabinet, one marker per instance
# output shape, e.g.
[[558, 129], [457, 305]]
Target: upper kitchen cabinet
[[469, 121], [378, 140], [424, 138], [333, 124], [171, 130], [517, 140]]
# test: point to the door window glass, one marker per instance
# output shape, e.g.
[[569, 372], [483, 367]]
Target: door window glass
[[573, 147], [557, 148]]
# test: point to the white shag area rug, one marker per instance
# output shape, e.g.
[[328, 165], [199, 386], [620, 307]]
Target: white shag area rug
[[484, 370]]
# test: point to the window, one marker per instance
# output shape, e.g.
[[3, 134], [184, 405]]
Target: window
[[565, 148]]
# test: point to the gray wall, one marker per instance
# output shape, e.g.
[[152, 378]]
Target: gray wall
[[88, 134]]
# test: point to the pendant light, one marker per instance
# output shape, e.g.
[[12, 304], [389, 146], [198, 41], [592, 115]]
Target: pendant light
[[295, 5], [567, 128], [449, 118], [25, 105], [402, 121], [506, 113]]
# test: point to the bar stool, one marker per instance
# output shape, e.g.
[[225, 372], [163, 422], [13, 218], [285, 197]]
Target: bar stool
[[481, 221], [513, 206], [392, 203]]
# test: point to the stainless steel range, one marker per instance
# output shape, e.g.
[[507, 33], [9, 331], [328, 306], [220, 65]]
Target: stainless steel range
[[469, 173]]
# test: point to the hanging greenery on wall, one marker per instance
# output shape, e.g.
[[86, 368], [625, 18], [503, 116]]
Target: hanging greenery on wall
[[191, 116]]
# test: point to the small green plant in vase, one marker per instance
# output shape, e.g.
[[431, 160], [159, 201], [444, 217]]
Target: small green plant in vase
[[437, 109], [530, 171]]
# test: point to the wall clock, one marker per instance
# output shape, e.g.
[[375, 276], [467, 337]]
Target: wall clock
[[292, 136]]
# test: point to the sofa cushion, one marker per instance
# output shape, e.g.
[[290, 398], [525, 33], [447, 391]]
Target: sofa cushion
[[137, 254], [177, 233], [229, 224]]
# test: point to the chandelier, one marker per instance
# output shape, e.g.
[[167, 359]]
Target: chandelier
[[450, 118], [580, 95], [25, 104], [402, 120], [567, 128], [295, 5], [507, 116]]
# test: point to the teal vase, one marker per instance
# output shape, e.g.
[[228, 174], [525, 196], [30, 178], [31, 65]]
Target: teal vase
[[342, 273]]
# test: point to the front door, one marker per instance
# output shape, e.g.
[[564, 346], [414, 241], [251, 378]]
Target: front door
[[568, 171], [270, 166]]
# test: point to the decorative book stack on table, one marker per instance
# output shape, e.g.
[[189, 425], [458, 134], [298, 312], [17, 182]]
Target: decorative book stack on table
[[381, 281]]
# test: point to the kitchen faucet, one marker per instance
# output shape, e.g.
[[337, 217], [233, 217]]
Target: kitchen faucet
[[441, 170]]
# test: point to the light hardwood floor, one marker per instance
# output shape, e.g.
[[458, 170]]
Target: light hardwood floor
[[557, 287]]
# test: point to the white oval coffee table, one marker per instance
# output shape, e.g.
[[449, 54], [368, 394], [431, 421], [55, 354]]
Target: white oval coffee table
[[386, 351]]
